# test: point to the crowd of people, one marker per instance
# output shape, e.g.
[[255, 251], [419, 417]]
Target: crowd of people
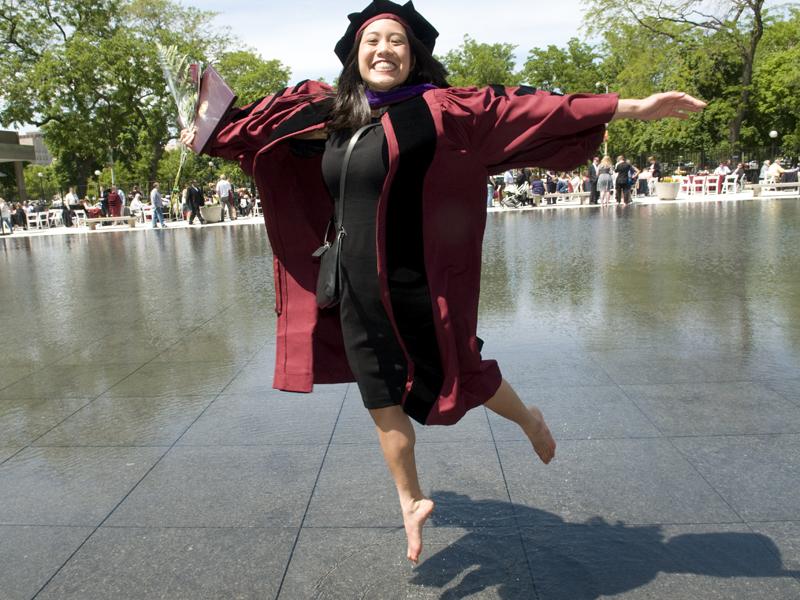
[[606, 181], [115, 202], [600, 180]]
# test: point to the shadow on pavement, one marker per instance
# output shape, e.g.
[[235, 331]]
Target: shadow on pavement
[[596, 558]]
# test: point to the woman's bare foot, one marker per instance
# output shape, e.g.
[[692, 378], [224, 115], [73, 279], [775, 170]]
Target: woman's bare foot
[[413, 520], [539, 435]]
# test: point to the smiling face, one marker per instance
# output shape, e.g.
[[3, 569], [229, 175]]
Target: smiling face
[[384, 55]]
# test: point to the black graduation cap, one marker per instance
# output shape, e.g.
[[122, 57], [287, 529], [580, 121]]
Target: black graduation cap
[[422, 30]]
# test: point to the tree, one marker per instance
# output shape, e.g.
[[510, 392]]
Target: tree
[[737, 23], [476, 64], [575, 68], [776, 96], [86, 73], [250, 76]]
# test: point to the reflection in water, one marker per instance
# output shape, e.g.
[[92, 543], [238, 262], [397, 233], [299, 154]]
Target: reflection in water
[[731, 269], [154, 286], [715, 274]]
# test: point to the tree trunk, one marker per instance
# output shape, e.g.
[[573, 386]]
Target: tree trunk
[[747, 75], [155, 158]]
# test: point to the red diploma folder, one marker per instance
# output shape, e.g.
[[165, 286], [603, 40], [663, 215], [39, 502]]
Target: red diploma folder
[[214, 100]]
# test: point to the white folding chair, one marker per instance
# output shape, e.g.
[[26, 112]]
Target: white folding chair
[[729, 184], [147, 213], [712, 184], [54, 218], [79, 217], [40, 218], [698, 185]]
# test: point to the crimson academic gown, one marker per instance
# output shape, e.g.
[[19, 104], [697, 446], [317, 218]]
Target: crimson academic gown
[[442, 145], [114, 204]]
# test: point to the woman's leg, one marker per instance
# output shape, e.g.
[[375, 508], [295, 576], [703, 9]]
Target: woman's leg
[[396, 434], [507, 404]]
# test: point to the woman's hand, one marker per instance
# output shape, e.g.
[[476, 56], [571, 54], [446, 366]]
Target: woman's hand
[[659, 106], [188, 135]]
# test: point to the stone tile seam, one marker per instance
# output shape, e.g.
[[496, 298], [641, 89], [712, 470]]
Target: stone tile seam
[[509, 442], [168, 348], [469, 526], [57, 363], [761, 380], [670, 441], [33, 441], [772, 549], [514, 515], [130, 491], [784, 396], [311, 495]]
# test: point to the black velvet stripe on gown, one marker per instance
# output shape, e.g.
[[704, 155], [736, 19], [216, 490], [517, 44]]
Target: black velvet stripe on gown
[[374, 354]]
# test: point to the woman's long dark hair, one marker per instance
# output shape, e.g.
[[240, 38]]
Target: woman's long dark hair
[[351, 109]]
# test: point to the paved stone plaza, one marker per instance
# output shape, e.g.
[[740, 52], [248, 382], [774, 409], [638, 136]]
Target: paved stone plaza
[[143, 453]]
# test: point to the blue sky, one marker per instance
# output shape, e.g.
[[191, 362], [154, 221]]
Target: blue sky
[[302, 33]]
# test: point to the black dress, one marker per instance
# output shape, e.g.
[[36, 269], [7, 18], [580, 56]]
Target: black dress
[[373, 351]]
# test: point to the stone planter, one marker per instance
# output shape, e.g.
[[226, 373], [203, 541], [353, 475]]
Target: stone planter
[[212, 213], [667, 190]]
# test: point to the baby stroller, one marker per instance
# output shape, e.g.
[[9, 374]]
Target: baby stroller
[[515, 196]]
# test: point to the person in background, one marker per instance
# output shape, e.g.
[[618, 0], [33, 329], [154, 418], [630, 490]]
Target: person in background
[[71, 199], [103, 201], [655, 174], [776, 171], [605, 181], [114, 202], [158, 207], [136, 204], [67, 211], [225, 194], [562, 184], [741, 176], [244, 204], [723, 169], [625, 176], [5, 218], [594, 194], [123, 201], [20, 216], [538, 190], [576, 183], [195, 200], [762, 174]]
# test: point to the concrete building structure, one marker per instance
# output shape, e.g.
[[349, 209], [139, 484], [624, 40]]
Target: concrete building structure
[[11, 150], [36, 139]]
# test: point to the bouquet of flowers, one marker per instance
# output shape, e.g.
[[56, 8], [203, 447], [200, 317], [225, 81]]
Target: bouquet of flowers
[[183, 80]]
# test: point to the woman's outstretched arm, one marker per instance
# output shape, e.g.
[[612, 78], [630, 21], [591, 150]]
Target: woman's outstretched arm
[[678, 105]]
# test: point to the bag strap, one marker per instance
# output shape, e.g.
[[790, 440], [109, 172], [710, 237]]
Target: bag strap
[[342, 180]]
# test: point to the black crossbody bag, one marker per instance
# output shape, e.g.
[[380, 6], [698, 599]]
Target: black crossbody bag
[[329, 281]]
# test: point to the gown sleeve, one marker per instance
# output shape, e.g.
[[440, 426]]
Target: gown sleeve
[[509, 127], [245, 131]]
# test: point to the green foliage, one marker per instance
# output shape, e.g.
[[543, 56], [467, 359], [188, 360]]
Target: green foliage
[[42, 183], [573, 69], [250, 76], [86, 72], [776, 104], [477, 64]]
